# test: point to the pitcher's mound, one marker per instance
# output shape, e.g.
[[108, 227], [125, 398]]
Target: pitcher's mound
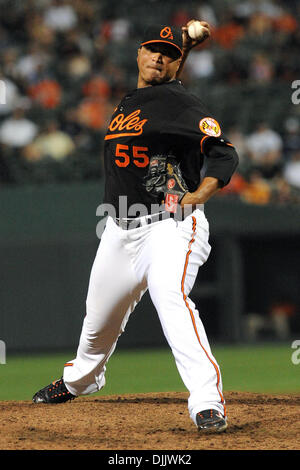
[[153, 421]]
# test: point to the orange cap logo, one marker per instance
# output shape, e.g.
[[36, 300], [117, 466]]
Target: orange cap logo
[[166, 33]]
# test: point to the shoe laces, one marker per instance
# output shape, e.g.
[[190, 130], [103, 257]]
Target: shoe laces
[[58, 389]]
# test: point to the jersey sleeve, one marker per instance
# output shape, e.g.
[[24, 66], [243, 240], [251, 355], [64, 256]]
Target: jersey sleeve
[[195, 125], [221, 161]]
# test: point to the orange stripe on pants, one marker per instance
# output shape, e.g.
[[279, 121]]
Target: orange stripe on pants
[[192, 315]]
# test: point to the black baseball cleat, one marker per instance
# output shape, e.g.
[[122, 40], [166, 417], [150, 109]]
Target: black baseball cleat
[[211, 421], [56, 392]]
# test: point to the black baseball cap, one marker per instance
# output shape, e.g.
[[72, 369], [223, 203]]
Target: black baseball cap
[[165, 34]]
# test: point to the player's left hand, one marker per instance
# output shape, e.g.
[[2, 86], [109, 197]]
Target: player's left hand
[[164, 181], [187, 42]]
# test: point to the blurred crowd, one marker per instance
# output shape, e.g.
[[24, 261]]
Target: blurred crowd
[[66, 64]]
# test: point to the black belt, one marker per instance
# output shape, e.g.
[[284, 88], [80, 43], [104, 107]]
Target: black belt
[[128, 224]]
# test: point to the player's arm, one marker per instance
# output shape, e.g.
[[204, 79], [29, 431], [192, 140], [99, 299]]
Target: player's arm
[[208, 188], [222, 161], [188, 43]]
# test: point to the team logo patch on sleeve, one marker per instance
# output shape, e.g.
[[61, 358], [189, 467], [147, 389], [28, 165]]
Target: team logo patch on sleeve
[[210, 126]]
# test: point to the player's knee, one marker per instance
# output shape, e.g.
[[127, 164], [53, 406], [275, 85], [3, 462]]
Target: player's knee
[[165, 294]]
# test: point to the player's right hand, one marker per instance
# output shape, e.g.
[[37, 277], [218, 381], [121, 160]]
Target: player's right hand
[[187, 42]]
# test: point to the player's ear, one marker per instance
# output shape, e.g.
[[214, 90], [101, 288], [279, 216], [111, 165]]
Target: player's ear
[[138, 52], [178, 62]]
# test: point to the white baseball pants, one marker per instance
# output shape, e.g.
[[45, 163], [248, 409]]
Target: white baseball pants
[[163, 257]]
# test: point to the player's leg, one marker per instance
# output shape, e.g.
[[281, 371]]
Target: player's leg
[[183, 247], [114, 290]]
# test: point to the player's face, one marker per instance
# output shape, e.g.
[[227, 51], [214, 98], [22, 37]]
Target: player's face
[[157, 63]]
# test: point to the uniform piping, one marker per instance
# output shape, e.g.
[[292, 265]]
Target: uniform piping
[[192, 315]]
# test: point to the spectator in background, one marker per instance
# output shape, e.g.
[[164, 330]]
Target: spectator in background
[[17, 131], [243, 10], [259, 34], [269, 8], [13, 96], [75, 52], [37, 31], [291, 138], [257, 190], [70, 123], [45, 90], [261, 69], [60, 16], [206, 12], [260, 25], [93, 110], [229, 32], [73, 43], [9, 58], [200, 64], [115, 78], [238, 139], [28, 65], [291, 171], [79, 133], [97, 86], [285, 23], [236, 186], [51, 143], [93, 113], [119, 30], [247, 8], [182, 16], [265, 150], [87, 13], [78, 66], [291, 149], [114, 30]]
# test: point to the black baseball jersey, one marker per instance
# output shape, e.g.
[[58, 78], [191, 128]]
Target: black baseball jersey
[[162, 119]]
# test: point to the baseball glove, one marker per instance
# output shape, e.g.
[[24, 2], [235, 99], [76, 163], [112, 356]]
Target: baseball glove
[[164, 181]]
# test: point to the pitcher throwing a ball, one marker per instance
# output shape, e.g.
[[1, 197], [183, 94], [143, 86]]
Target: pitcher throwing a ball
[[155, 147]]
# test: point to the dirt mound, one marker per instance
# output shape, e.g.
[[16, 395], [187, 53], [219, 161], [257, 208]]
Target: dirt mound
[[157, 421]]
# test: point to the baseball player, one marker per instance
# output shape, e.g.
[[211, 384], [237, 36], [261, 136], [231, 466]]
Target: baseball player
[[164, 153]]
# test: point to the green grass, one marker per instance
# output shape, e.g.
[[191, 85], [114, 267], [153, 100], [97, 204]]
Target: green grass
[[263, 369], [266, 368]]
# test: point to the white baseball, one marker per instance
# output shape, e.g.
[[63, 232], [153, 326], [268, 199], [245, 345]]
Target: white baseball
[[195, 30]]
